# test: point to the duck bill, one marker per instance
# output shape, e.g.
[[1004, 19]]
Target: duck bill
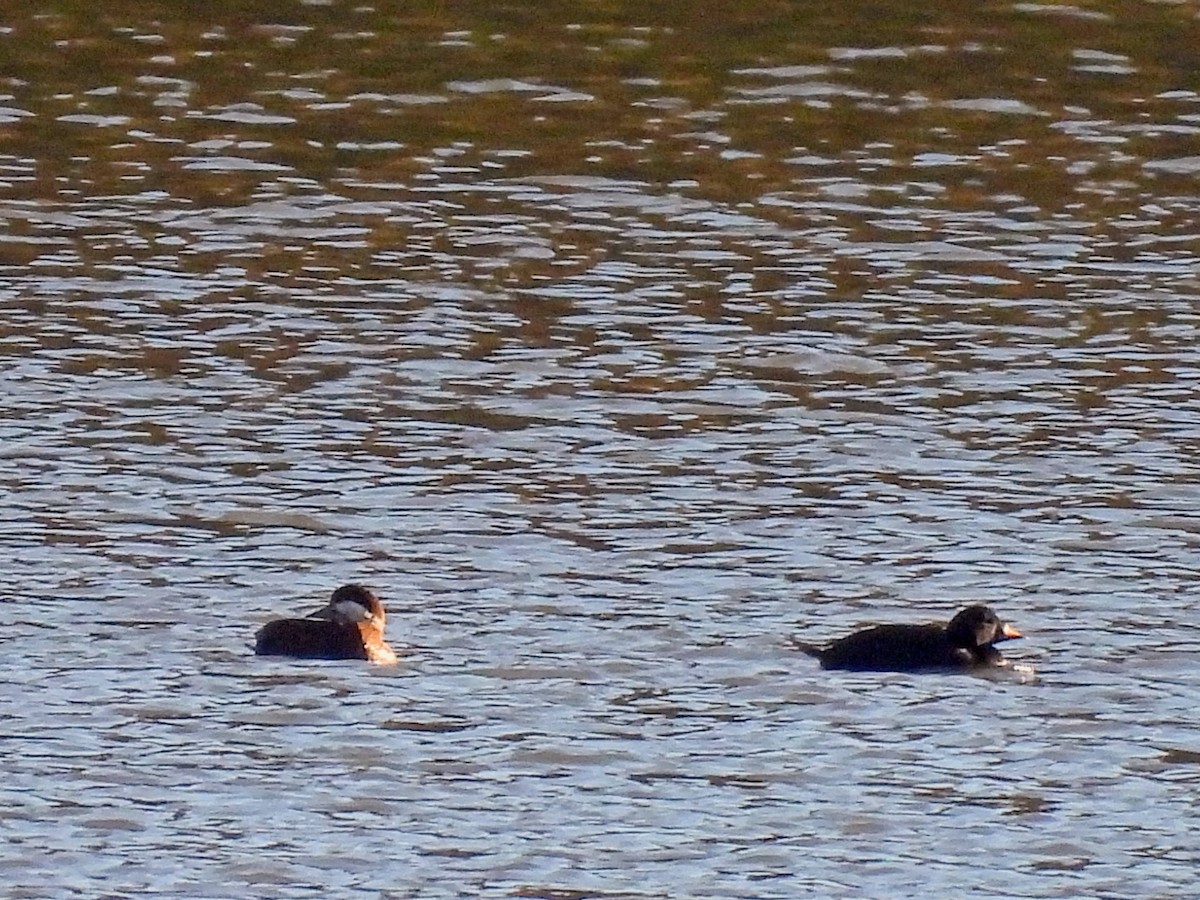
[[1007, 633], [325, 612]]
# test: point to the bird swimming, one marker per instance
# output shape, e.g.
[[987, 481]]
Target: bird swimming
[[350, 626], [966, 642]]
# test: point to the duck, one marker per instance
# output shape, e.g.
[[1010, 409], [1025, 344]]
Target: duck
[[965, 642], [350, 626]]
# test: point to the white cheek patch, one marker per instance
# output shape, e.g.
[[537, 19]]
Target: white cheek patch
[[351, 611]]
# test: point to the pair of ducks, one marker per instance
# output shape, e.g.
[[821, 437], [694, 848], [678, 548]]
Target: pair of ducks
[[351, 626]]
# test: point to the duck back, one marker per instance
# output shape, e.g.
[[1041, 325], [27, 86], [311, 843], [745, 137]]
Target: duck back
[[310, 639], [890, 648]]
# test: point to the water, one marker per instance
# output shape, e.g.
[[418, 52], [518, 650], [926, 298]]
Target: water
[[613, 349]]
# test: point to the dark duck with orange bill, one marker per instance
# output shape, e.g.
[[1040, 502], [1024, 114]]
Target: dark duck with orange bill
[[966, 642], [350, 626]]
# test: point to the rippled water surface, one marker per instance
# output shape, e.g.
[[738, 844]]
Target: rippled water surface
[[614, 345]]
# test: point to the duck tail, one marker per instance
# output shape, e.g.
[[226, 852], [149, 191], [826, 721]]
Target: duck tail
[[805, 647]]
